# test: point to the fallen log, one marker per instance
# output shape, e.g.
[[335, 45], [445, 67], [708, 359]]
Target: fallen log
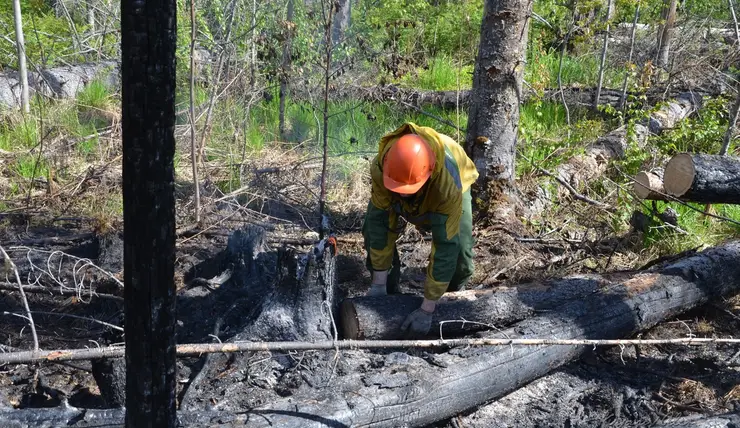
[[422, 388], [459, 313], [703, 178], [649, 185]]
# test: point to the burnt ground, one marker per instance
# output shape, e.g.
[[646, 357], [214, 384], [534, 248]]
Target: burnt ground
[[608, 387], [611, 386]]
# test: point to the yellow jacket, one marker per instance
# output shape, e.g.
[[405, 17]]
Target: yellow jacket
[[437, 207]]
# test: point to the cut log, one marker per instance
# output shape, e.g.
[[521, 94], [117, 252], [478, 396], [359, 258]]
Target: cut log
[[459, 313], [422, 388], [649, 185], [703, 178]]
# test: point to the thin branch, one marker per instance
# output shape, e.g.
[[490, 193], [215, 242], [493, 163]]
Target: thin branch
[[40, 289], [8, 266], [194, 159], [197, 349]]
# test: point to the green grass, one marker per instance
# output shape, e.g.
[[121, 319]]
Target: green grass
[[542, 70], [20, 134], [95, 95], [702, 230], [30, 167], [441, 74]]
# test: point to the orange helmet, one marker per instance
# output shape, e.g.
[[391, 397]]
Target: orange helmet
[[408, 164]]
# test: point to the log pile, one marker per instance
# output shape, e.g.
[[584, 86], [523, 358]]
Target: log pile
[[403, 386]]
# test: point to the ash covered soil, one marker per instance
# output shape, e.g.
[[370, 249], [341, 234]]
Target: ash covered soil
[[609, 386]]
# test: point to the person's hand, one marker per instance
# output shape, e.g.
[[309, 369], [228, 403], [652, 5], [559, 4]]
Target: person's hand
[[417, 324], [378, 286]]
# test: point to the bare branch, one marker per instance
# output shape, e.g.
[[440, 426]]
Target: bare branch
[[8, 266]]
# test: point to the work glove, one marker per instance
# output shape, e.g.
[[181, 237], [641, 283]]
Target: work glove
[[417, 324], [376, 290]]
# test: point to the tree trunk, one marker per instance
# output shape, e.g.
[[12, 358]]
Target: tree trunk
[[604, 49], [665, 34], [623, 97], [379, 318], [285, 73], [649, 185], [703, 178], [341, 20], [21, 49], [493, 118], [297, 303], [148, 41]]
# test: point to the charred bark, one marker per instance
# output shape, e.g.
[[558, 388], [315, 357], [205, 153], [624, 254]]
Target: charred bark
[[493, 117], [300, 304], [703, 178], [148, 41], [459, 313]]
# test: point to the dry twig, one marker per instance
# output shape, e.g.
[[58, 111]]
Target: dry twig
[[9, 265]]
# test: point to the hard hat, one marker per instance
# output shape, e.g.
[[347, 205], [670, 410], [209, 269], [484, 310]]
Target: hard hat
[[408, 164]]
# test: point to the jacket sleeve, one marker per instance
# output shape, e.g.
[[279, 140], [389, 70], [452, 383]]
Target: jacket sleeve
[[379, 229], [445, 224]]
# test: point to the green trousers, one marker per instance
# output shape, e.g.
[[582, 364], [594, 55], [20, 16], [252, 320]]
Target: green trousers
[[465, 265]]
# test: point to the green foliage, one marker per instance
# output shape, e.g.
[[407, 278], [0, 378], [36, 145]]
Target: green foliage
[[702, 133]]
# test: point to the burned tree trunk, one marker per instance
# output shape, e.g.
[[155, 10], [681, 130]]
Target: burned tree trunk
[[493, 118], [148, 41], [459, 313], [299, 304], [703, 178]]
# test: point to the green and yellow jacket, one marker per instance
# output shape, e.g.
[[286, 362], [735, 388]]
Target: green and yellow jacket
[[437, 207]]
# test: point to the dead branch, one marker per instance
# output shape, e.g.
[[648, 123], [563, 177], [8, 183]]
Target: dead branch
[[9, 265], [40, 289], [198, 349]]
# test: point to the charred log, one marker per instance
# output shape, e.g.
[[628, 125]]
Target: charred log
[[703, 178], [459, 313]]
